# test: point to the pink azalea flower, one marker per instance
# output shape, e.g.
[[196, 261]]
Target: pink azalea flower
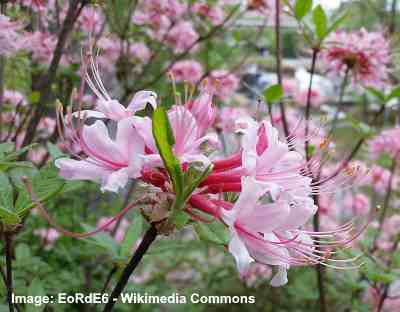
[[182, 36], [301, 98], [290, 86], [120, 233], [91, 20], [106, 107], [266, 232], [214, 13], [49, 236], [14, 97], [42, 46], [203, 110], [379, 179], [365, 54], [139, 51], [10, 38], [37, 5], [358, 203], [225, 83], [187, 70], [109, 162], [47, 126], [227, 117], [37, 155], [188, 138], [112, 48], [265, 7], [387, 142], [268, 159], [256, 273]]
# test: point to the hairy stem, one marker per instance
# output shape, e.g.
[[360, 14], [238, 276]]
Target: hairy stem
[[279, 62], [8, 254], [148, 239]]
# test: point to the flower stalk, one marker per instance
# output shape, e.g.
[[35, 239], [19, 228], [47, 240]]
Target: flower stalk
[[148, 239]]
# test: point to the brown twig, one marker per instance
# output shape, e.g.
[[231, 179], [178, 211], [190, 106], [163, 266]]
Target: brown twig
[[147, 240], [45, 82]]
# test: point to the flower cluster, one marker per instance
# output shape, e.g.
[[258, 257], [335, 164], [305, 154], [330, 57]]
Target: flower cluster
[[365, 54], [273, 182]]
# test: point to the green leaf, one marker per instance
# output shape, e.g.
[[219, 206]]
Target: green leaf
[[214, 232], [6, 148], [34, 97], [35, 289], [6, 192], [164, 139], [45, 184], [14, 155], [320, 22], [131, 236], [179, 218], [394, 94], [301, 8], [273, 93], [54, 151], [376, 93], [337, 23], [102, 240], [8, 217], [22, 251], [193, 178]]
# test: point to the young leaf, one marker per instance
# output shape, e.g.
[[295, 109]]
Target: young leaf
[[377, 94], [337, 23], [214, 232], [193, 179], [273, 93], [8, 217], [394, 94], [179, 218], [164, 139], [320, 21], [301, 8], [6, 192]]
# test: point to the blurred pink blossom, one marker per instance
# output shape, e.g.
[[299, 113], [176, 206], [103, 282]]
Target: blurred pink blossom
[[387, 142], [256, 273], [122, 228], [10, 39], [224, 82], [187, 70], [14, 97], [227, 117], [49, 236], [91, 20], [182, 36], [358, 203], [214, 13], [365, 54], [301, 97]]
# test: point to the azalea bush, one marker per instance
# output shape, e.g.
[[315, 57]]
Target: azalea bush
[[218, 149]]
